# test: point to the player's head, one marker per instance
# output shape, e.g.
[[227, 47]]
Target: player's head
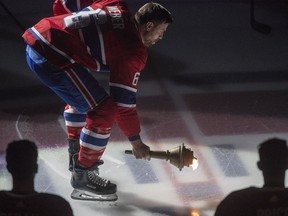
[[21, 158], [152, 20], [273, 154], [153, 12]]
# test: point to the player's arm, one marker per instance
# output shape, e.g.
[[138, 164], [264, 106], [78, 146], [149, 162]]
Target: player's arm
[[123, 88], [84, 17], [140, 150], [61, 7]]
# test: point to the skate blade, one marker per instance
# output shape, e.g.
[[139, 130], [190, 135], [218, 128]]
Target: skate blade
[[84, 195]]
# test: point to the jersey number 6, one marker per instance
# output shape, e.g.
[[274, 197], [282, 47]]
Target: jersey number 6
[[136, 78]]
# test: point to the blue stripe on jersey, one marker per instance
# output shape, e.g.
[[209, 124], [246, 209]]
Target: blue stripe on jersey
[[92, 140], [71, 5], [85, 9], [92, 40], [74, 117], [124, 96]]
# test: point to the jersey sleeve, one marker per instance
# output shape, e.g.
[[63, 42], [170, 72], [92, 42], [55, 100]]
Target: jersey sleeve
[[125, 73], [61, 7]]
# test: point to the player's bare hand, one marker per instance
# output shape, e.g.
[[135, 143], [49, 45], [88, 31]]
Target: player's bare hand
[[140, 150]]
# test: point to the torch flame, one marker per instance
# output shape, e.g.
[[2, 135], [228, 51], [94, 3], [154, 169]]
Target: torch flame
[[195, 213], [194, 164]]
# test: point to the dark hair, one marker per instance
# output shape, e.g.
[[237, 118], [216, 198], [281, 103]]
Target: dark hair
[[21, 158], [153, 12], [273, 154]]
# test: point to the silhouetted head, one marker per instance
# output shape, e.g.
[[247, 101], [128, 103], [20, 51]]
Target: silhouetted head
[[21, 158], [273, 155]]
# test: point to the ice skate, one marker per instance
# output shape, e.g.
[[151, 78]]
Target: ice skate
[[88, 185]]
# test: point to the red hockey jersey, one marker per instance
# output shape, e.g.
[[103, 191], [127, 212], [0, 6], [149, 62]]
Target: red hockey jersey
[[61, 7], [100, 37]]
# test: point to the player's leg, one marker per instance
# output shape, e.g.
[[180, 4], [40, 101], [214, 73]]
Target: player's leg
[[74, 121], [77, 87], [94, 136], [57, 80], [93, 141]]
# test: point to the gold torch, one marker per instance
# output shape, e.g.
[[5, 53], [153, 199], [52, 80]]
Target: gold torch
[[179, 156]]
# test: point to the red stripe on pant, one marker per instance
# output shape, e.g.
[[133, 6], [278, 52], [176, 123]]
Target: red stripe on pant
[[89, 155], [81, 87]]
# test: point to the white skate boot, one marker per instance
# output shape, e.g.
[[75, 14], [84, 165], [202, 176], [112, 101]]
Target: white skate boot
[[88, 185]]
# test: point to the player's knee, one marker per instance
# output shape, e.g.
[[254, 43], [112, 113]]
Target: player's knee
[[105, 112], [111, 107]]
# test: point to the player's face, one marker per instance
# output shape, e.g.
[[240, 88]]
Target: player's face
[[153, 33]]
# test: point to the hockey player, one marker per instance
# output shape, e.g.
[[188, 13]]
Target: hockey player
[[64, 50]]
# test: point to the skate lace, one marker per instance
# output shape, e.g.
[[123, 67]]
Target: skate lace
[[96, 179]]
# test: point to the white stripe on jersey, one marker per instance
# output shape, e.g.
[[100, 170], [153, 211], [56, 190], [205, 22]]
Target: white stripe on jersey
[[79, 5], [65, 7], [123, 86], [126, 105], [53, 47], [102, 45]]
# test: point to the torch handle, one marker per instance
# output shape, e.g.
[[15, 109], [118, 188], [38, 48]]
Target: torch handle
[[153, 154], [128, 152]]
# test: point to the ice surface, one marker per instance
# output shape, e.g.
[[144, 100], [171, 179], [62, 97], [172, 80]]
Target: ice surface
[[212, 83]]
